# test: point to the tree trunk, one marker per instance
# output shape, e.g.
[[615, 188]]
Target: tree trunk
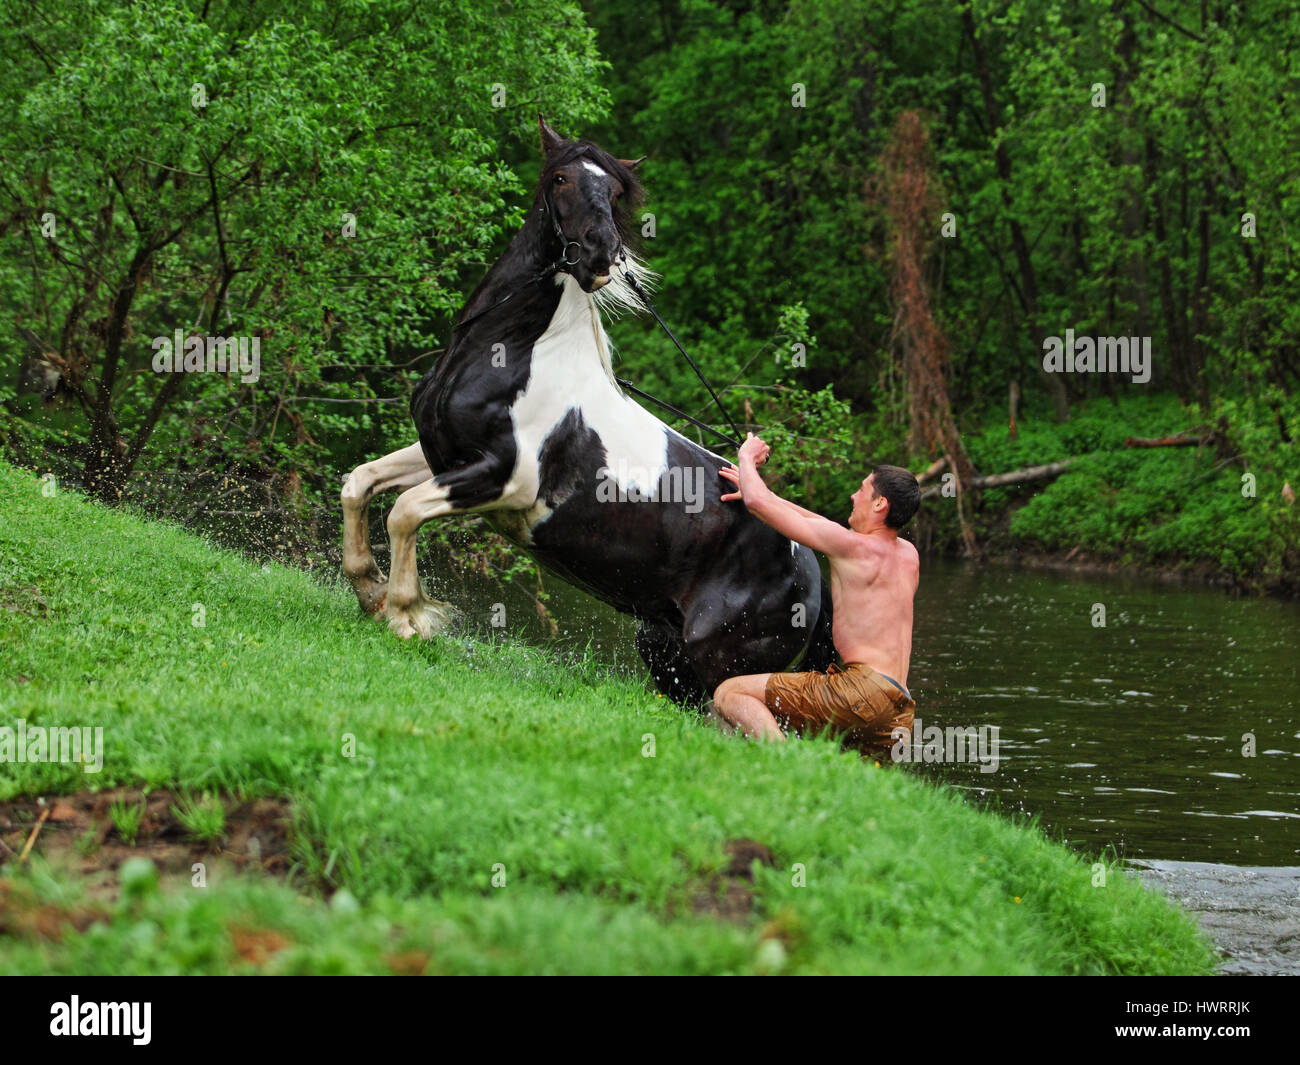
[[911, 208], [106, 468]]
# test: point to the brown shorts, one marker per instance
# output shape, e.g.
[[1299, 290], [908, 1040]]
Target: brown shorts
[[855, 701]]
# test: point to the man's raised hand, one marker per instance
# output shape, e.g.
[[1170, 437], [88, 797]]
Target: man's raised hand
[[753, 448]]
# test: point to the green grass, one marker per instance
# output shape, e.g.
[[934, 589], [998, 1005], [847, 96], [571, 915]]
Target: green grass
[[126, 819], [203, 818], [475, 762]]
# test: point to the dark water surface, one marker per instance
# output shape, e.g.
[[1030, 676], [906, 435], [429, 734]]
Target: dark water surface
[[1128, 735], [1131, 734]]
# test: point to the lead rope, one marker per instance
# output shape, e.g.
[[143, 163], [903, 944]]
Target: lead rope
[[680, 413], [641, 294]]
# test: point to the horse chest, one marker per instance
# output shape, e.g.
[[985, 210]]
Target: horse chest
[[573, 427]]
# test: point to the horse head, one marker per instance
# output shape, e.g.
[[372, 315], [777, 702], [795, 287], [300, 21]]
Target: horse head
[[589, 196]]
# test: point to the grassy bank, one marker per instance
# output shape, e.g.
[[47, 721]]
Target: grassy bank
[[499, 812]]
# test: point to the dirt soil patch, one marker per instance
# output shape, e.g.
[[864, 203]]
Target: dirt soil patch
[[78, 833], [25, 600], [729, 896]]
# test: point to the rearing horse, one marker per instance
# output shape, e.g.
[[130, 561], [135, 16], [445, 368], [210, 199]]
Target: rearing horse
[[522, 420]]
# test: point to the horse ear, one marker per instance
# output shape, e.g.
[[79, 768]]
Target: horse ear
[[550, 139], [632, 164]]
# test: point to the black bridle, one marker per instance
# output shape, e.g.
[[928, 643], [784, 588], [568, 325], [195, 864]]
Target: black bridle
[[560, 264], [644, 298], [548, 208]]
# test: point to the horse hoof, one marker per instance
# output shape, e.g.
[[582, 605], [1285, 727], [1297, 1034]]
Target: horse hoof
[[424, 620], [372, 595], [371, 589]]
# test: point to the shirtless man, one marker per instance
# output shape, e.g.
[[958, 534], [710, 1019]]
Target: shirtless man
[[874, 576]]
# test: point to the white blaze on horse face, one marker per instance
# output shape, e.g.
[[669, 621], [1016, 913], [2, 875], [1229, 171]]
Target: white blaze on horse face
[[571, 371], [588, 164]]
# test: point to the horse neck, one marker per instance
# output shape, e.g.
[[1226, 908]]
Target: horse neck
[[575, 322], [527, 255]]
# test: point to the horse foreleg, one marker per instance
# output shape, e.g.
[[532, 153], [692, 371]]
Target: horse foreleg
[[409, 611], [402, 469]]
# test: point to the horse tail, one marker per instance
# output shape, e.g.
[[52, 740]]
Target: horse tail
[[820, 652]]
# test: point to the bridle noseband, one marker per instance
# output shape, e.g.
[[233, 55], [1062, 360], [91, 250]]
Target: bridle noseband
[[548, 208]]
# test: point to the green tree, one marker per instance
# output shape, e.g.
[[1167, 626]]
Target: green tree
[[323, 177]]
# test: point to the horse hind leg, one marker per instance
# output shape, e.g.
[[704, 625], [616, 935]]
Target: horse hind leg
[[670, 666], [409, 610], [725, 640], [402, 469]]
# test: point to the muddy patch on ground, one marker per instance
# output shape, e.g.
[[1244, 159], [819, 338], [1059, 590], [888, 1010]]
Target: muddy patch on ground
[[24, 915], [25, 600], [729, 895], [92, 833]]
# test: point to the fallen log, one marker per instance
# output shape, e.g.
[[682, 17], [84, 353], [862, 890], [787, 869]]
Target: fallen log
[[995, 480], [1181, 440], [1029, 473]]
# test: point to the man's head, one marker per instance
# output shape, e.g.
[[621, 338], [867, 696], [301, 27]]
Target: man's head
[[887, 499]]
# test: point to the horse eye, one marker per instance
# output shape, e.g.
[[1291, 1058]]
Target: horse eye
[[559, 179]]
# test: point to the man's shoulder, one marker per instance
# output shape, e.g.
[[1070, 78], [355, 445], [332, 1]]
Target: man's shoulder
[[859, 547], [894, 547], [902, 556], [910, 556]]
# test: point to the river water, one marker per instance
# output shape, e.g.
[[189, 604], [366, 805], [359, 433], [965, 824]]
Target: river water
[[1171, 731]]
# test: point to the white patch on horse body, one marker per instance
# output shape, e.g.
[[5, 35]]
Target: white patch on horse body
[[571, 370]]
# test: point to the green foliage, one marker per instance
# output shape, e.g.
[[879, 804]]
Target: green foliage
[[811, 442], [1180, 508]]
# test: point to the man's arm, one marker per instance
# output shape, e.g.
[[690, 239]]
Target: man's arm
[[789, 519]]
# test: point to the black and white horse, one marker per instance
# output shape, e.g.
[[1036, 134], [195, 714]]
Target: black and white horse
[[521, 419]]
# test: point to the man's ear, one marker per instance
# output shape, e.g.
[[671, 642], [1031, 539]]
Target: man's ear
[[550, 139]]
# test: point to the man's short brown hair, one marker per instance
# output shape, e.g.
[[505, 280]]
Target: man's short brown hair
[[901, 489]]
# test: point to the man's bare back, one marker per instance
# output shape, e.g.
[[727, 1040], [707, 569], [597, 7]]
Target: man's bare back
[[872, 591], [874, 577]]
